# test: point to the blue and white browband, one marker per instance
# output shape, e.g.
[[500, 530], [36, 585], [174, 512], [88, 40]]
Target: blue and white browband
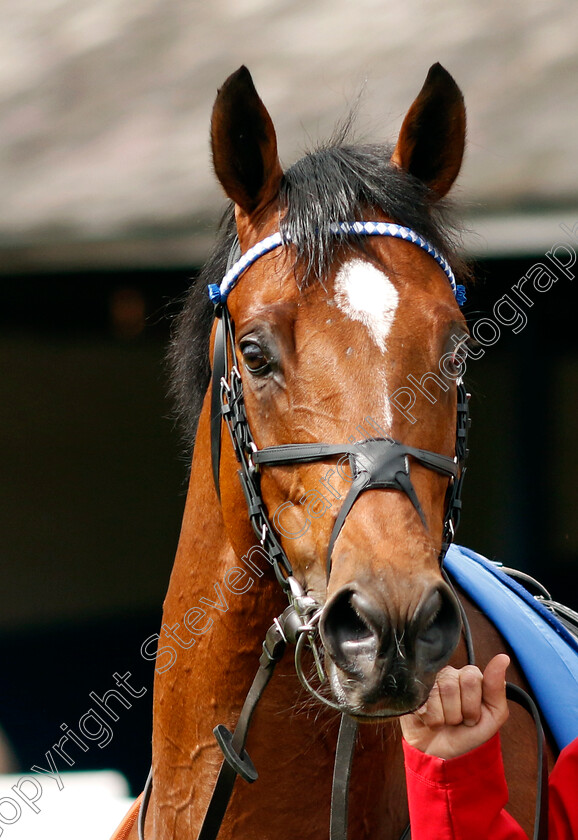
[[220, 293]]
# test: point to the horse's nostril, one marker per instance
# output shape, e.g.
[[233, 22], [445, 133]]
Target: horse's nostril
[[360, 638], [347, 629], [438, 627]]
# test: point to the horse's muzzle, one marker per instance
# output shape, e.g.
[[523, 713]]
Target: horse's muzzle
[[380, 663]]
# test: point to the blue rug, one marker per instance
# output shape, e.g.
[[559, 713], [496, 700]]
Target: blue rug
[[546, 650]]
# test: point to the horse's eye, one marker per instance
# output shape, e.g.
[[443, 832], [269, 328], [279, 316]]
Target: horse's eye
[[458, 359], [254, 358], [459, 356]]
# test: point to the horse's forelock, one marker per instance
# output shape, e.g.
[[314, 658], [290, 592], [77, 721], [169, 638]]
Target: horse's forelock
[[343, 183]]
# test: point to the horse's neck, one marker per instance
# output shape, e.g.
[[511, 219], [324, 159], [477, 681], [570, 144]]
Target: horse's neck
[[211, 671]]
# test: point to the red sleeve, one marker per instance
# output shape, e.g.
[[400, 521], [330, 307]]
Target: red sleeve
[[563, 795], [459, 799]]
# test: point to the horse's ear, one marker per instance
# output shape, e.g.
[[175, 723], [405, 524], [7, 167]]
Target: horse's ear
[[244, 144], [432, 137]]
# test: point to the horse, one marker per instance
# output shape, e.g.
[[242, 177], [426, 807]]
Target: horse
[[308, 437]]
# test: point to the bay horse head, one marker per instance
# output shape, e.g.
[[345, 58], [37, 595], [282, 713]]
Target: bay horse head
[[338, 325]]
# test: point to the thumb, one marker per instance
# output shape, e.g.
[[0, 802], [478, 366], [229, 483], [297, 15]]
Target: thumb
[[494, 685]]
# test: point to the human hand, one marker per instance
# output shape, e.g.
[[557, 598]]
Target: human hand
[[465, 708]]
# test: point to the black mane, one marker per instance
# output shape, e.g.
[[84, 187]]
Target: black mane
[[335, 183]]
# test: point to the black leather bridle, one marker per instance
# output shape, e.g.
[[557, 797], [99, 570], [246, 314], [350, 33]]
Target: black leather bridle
[[381, 463]]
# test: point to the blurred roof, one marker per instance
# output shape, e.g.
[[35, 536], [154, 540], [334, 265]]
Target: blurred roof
[[105, 106]]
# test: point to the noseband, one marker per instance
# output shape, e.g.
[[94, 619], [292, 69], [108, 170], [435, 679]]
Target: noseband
[[374, 463]]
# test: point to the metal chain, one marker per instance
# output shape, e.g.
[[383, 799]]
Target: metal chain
[[454, 495], [235, 416]]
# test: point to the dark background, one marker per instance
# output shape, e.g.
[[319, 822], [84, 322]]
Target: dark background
[[94, 481]]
